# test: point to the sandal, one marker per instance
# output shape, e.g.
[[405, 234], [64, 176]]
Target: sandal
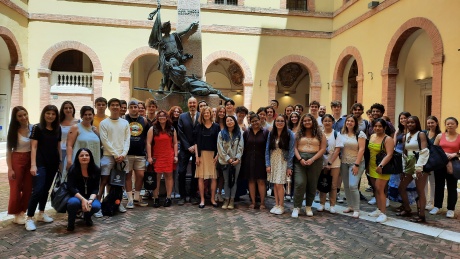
[[262, 207], [418, 219], [252, 206], [404, 213], [399, 209]]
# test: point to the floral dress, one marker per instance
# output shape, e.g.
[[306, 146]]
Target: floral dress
[[278, 166]]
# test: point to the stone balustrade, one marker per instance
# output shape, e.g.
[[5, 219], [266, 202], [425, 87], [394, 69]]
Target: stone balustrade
[[71, 82]]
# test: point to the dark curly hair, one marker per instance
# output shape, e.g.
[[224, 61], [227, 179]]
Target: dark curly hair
[[315, 130]]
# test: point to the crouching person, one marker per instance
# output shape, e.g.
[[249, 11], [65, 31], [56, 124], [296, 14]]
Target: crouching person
[[83, 185]]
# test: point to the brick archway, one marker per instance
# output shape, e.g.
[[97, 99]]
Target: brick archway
[[125, 75], [315, 79], [45, 68], [390, 69], [337, 82], [248, 81], [16, 66]]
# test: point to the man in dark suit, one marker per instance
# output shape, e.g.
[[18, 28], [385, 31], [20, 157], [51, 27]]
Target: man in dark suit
[[188, 122]]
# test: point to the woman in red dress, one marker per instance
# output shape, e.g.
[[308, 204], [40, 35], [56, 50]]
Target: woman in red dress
[[162, 153]]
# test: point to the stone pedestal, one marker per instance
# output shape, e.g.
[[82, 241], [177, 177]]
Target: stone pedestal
[[188, 12], [166, 100]]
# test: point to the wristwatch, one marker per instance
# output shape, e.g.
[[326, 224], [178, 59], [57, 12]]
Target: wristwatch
[[357, 165], [381, 166], [329, 163]]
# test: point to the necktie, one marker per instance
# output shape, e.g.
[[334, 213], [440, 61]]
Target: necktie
[[193, 118]]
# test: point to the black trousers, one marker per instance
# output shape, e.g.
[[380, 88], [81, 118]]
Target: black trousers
[[441, 178], [184, 159]]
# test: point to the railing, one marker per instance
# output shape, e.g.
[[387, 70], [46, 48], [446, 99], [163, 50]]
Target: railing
[[71, 82]]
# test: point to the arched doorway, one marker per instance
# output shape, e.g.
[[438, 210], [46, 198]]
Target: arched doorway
[[11, 77], [80, 85], [227, 76], [310, 73], [347, 85], [413, 61], [292, 85], [145, 74]]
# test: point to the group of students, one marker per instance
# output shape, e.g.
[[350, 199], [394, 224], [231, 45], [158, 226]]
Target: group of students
[[225, 146]]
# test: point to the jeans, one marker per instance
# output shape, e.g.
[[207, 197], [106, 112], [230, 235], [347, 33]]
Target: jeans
[[306, 179], [441, 178], [230, 192], [40, 189], [350, 183], [184, 159], [74, 205]]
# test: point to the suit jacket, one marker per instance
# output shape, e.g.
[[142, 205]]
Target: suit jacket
[[187, 130]]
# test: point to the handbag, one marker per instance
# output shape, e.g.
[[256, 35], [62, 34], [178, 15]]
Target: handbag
[[324, 182], [118, 174], [394, 166], [437, 159], [60, 194], [150, 178]]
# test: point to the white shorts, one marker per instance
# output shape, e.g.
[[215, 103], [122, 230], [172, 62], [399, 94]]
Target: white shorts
[[136, 162], [108, 162]]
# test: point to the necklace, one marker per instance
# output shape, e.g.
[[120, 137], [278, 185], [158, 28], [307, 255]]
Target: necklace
[[85, 179]]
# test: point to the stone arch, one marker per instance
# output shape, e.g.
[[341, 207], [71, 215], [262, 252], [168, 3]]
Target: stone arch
[[16, 66], [248, 81], [337, 82], [47, 60], [315, 79], [390, 69], [125, 75]]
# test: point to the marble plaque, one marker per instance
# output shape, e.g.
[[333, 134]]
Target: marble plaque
[[188, 12]]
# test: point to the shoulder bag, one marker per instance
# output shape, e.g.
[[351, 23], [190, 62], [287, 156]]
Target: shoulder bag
[[60, 195], [394, 166]]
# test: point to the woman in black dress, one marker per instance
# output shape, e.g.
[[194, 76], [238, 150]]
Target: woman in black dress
[[253, 160]]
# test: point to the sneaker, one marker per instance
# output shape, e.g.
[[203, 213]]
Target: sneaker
[[372, 201], [382, 218], [317, 197], [19, 219], [327, 197], [121, 208], [387, 204], [130, 205], [450, 214], [434, 211], [320, 207], [279, 211], [308, 211], [98, 214], [156, 203], [272, 211], [375, 213], [43, 217], [429, 206], [339, 199], [141, 203], [125, 195], [332, 210], [369, 189], [295, 213], [30, 225], [304, 203]]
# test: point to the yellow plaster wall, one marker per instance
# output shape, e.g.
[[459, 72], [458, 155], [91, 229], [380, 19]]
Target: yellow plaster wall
[[275, 4]]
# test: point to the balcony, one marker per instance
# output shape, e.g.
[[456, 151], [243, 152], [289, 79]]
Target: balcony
[[71, 82]]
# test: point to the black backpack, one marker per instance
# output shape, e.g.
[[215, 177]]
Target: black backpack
[[112, 201]]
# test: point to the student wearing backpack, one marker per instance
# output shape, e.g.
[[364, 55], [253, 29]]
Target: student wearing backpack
[[352, 167], [331, 161], [415, 157], [83, 185]]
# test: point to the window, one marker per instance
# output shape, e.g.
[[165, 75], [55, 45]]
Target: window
[[300, 5], [227, 2]]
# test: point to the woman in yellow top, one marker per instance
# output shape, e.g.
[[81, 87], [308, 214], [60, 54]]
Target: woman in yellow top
[[378, 179]]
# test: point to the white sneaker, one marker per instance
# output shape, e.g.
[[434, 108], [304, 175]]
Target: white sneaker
[[30, 225], [308, 211], [19, 219], [125, 195], [429, 206], [317, 197], [129, 205], [387, 203], [434, 211], [339, 199], [279, 210], [382, 218], [43, 217], [304, 203], [450, 214], [375, 213], [295, 213], [121, 208], [98, 214], [320, 207], [372, 201], [332, 210], [272, 211]]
